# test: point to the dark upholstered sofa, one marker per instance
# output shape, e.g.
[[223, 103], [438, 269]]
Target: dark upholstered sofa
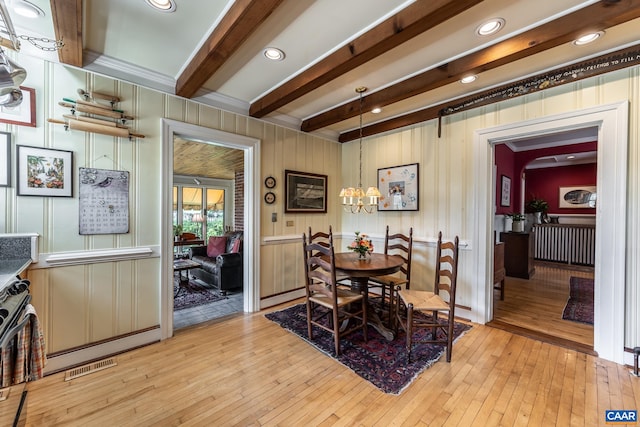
[[224, 271]]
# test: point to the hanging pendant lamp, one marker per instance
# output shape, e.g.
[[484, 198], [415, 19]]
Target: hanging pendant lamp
[[356, 200]]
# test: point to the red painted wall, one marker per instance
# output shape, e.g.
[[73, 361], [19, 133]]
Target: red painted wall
[[545, 184], [512, 165]]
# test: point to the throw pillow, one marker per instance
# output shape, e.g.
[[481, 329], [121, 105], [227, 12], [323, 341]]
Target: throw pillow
[[236, 245], [216, 246]]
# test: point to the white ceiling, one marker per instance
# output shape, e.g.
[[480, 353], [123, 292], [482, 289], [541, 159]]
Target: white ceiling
[[127, 39]]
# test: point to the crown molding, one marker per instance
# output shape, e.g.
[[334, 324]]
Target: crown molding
[[108, 66]]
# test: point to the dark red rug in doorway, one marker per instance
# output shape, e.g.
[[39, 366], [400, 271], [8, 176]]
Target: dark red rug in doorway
[[193, 294], [579, 307]]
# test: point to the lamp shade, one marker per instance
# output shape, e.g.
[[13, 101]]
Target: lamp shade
[[373, 192]]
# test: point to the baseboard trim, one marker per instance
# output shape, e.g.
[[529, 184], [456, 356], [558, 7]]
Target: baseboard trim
[[282, 298], [63, 361]]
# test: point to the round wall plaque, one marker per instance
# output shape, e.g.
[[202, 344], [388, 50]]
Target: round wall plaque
[[270, 198], [270, 182]]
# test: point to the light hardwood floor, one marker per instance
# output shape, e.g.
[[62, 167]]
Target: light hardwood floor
[[248, 371], [537, 304]]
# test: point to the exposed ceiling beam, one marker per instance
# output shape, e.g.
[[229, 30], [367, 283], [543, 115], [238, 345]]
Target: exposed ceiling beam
[[598, 16], [623, 58], [67, 24], [242, 19], [406, 24]]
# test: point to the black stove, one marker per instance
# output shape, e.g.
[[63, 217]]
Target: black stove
[[13, 299]]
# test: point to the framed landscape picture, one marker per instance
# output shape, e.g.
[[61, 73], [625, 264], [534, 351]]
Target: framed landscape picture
[[44, 172], [578, 197], [399, 188], [305, 192]]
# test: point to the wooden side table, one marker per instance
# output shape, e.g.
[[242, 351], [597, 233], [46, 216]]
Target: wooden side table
[[181, 265], [180, 245]]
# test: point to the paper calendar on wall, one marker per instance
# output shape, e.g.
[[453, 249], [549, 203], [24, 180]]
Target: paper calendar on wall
[[104, 201]]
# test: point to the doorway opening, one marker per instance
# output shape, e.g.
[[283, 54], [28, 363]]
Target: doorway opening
[[249, 149], [545, 260], [204, 207], [611, 120]]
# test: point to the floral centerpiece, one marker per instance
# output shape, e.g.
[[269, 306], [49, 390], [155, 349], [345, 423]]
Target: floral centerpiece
[[361, 244]]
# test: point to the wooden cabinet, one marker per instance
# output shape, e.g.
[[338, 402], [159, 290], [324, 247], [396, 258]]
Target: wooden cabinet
[[498, 268], [518, 254]]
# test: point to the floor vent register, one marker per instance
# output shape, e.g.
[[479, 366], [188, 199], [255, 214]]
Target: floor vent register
[[89, 368]]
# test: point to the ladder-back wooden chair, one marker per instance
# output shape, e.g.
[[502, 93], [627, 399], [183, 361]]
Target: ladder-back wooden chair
[[400, 245], [432, 304], [323, 239], [327, 304]]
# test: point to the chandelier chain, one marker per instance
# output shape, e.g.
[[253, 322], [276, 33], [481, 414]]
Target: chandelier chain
[[360, 177]]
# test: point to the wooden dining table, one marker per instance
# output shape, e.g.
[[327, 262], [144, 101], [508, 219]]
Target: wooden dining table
[[360, 270]]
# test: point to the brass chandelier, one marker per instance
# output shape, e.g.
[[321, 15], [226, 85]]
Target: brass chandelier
[[355, 200]]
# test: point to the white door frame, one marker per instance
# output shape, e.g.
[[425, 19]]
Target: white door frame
[[612, 123], [251, 246]]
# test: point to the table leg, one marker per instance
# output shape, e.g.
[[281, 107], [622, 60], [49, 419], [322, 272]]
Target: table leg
[[182, 282], [360, 284]]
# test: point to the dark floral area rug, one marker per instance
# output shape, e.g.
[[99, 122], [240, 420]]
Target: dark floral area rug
[[383, 363], [579, 306], [193, 294]]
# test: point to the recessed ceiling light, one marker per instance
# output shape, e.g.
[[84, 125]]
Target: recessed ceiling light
[[468, 79], [162, 5], [490, 27], [27, 9], [377, 110], [588, 38], [571, 157], [273, 54]]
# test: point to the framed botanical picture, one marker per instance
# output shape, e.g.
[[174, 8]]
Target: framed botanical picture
[[305, 192], [44, 172], [25, 113], [5, 159], [399, 188], [505, 191], [583, 196]]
